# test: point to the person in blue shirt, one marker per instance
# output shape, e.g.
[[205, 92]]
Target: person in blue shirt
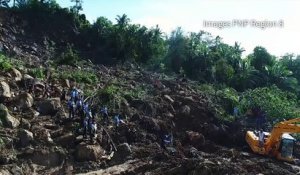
[[74, 94], [118, 120], [72, 108], [235, 112], [85, 126], [93, 129], [167, 140], [104, 112], [86, 108]]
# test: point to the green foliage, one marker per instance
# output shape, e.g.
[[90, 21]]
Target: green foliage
[[69, 57], [5, 64], [224, 99], [276, 103], [80, 76], [224, 71], [37, 73], [78, 5], [261, 58], [108, 93], [136, 93]]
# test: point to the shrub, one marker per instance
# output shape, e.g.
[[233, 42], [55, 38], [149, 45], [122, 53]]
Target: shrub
[[5, 64], [276, 103], [108, 93], [37, 73], [81, 76], [69, 57]]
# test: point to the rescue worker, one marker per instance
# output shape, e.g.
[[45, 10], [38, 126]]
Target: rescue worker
[[259, 118], [118, 120], [261, 137], [235, 112], [85, 108], [93, 129], [74, 94], [167, 140], [72, 108], [63, 95], [85, 127], [79, 105], [104, 112]]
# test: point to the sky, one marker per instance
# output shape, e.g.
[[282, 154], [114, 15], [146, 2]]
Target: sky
[[281, 18]]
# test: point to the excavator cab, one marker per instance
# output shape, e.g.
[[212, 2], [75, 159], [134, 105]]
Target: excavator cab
[[286, 147]]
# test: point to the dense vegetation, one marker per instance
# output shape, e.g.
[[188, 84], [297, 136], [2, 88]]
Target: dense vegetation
[[269, 81]]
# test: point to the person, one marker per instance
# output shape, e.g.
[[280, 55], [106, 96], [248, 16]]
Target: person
[[118, 120], [167, 140], [63, 95], [74, 94], [72, 108], [85, 108], [79, 105], [93, 129], [259, 118], [104, 112], [81, 116], [235, 112], [261, 137], [89, 114], [85, 127]]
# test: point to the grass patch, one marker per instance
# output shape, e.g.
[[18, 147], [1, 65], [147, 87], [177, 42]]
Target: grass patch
[[37, 73], [81, 77]]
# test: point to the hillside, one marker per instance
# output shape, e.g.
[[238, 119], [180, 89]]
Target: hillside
[[38, 137]]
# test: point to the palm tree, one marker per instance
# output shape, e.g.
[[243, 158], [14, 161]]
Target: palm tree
[[122, 21]]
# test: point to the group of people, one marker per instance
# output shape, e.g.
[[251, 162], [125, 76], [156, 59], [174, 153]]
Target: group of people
[[78, 107]]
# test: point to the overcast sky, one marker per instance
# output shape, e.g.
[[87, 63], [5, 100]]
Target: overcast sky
[[190, 15]]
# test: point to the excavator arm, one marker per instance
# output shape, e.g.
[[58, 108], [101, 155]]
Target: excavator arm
[[273, 142]]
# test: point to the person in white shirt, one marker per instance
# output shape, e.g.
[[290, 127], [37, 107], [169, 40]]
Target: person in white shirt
[[261, 137]]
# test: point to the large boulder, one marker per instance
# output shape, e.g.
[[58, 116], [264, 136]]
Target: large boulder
[[25, 124], [7, 119], [47, 157], [49, 106], [41, 134], [153, 125], [66, 83], [4, 89], [66, 140], [88, 152], [5, 172], [185, 110], [194, 138], [25, 137], [24, 101], [16, 74], [27, 79], [167, 97]]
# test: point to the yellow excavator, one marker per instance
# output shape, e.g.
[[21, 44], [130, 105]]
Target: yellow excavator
[[278, 143]]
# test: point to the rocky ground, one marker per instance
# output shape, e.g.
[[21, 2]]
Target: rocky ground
[[37, 136]]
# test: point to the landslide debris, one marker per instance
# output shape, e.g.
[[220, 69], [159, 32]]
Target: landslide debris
[[37, 137]]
